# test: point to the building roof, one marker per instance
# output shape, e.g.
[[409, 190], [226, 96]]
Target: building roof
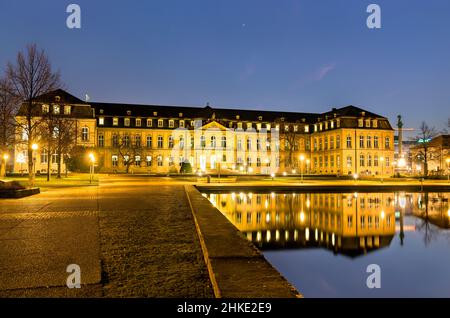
[[64, 97]]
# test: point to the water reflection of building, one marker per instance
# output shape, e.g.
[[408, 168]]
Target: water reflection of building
[[350, 224], [432, 207]]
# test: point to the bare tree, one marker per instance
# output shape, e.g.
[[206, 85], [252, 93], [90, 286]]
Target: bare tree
[[290, 136], [8, 109], [65, 139], [30, 77], [424, 153], [128, 148]]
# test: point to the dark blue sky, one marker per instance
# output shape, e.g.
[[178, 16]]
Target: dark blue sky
[[287, 55]]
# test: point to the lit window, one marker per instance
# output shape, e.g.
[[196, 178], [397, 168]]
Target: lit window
[[138, 122], [360, 122], [181, 123], [160, 141], [160, 122], [148, 160], [171, 123], [249, 126], [375, 123], [115, 160], [306, 129], [155, 113], [149, 122], [258, 126], [115, 121], [67, 110], [268, 126], [101, 121], [239, 125], [127, 122], [56, 109], [85, 134], [45, 108], [101, 140]]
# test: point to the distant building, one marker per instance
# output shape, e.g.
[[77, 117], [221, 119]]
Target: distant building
[[158, 139], [438, 153]]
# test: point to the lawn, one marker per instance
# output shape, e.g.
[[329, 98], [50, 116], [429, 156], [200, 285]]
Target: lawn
[[72, 180]]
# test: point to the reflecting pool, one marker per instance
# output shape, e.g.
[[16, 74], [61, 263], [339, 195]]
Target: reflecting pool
[[323, 242]]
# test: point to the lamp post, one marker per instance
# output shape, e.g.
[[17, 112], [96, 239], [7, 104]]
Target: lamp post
[[91, 167], [5, 159], [446, 160], [34, 147], [382, 161], [302, 158]]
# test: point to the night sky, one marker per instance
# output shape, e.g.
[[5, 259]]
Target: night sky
[[275, 55]]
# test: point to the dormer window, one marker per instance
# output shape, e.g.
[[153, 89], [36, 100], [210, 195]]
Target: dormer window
[[239, 125], [259, 117], [332, 124], [160, 122], [181, 124], [45, 109], [138, 122], [115, 121], [128, 112], [368, 123], [67, 110], [326, 125], [101, 121], [101, 111], [268, 126], [149, 122], [238, 117], [57, 99], [286, 128], [56, 109], [126, 122], [180, 114], [375, 123], [360, 122], [306, 129], [171, 123], [249, 126], [155, 114], [295, 128], [258, 126]]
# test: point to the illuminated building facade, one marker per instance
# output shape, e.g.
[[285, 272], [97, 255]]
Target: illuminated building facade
[[158, 139]]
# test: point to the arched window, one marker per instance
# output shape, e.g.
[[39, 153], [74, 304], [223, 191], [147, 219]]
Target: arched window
[[85, 134], [213, 141], [224, 142]]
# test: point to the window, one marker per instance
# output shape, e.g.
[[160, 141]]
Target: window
[[387, 162], [360, 122], [138, 122], [149, 122], [171, 143], [249, 126], [331, 124], [160, 142], [160, 160], [115, 141], [361, 141], [338, 161], [171, 123], [306, 129], [349, 161], [375, 142], [369, 142], [338, 142], [249, 144], [181, 143], [101, 140], [137, 161], [338, 123], [160, 122], [85, 134], [101, 121], [249, 161], [181, 123], [349, 142], [258, 126], [55, 157], [149, 142], [374, 123], [375, 161], [326, 143], [213, 142], [45, 109], [148, 161], [202, 141], [258, 144], [67, 109], [387, 142], [331, 142], [114, 160], [239, 126], [332, 161], [44, 156], [268, 144], [320, 162], [361, 160], [315, 144], [115, 121], [192, 142], [239, 144], [223, 142], [137, 140], [56, 109], [369, 160], [126, 141], [326, 162], [367, 122], [258, 162], [268, 127], [127, 122], [349, 221]]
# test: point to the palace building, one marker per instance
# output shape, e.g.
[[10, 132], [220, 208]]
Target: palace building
[[155, 139]]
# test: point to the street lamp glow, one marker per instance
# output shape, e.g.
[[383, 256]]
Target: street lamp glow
[[382, 214], [294, 171], [91, 157], [5, 157], [302, 157], [355, 176], [448, 213], [284, 173], [34, 146], [302, 216], [250, 170], [401, 162]]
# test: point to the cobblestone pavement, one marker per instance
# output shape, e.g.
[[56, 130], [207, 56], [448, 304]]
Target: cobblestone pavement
[[130, 238]]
